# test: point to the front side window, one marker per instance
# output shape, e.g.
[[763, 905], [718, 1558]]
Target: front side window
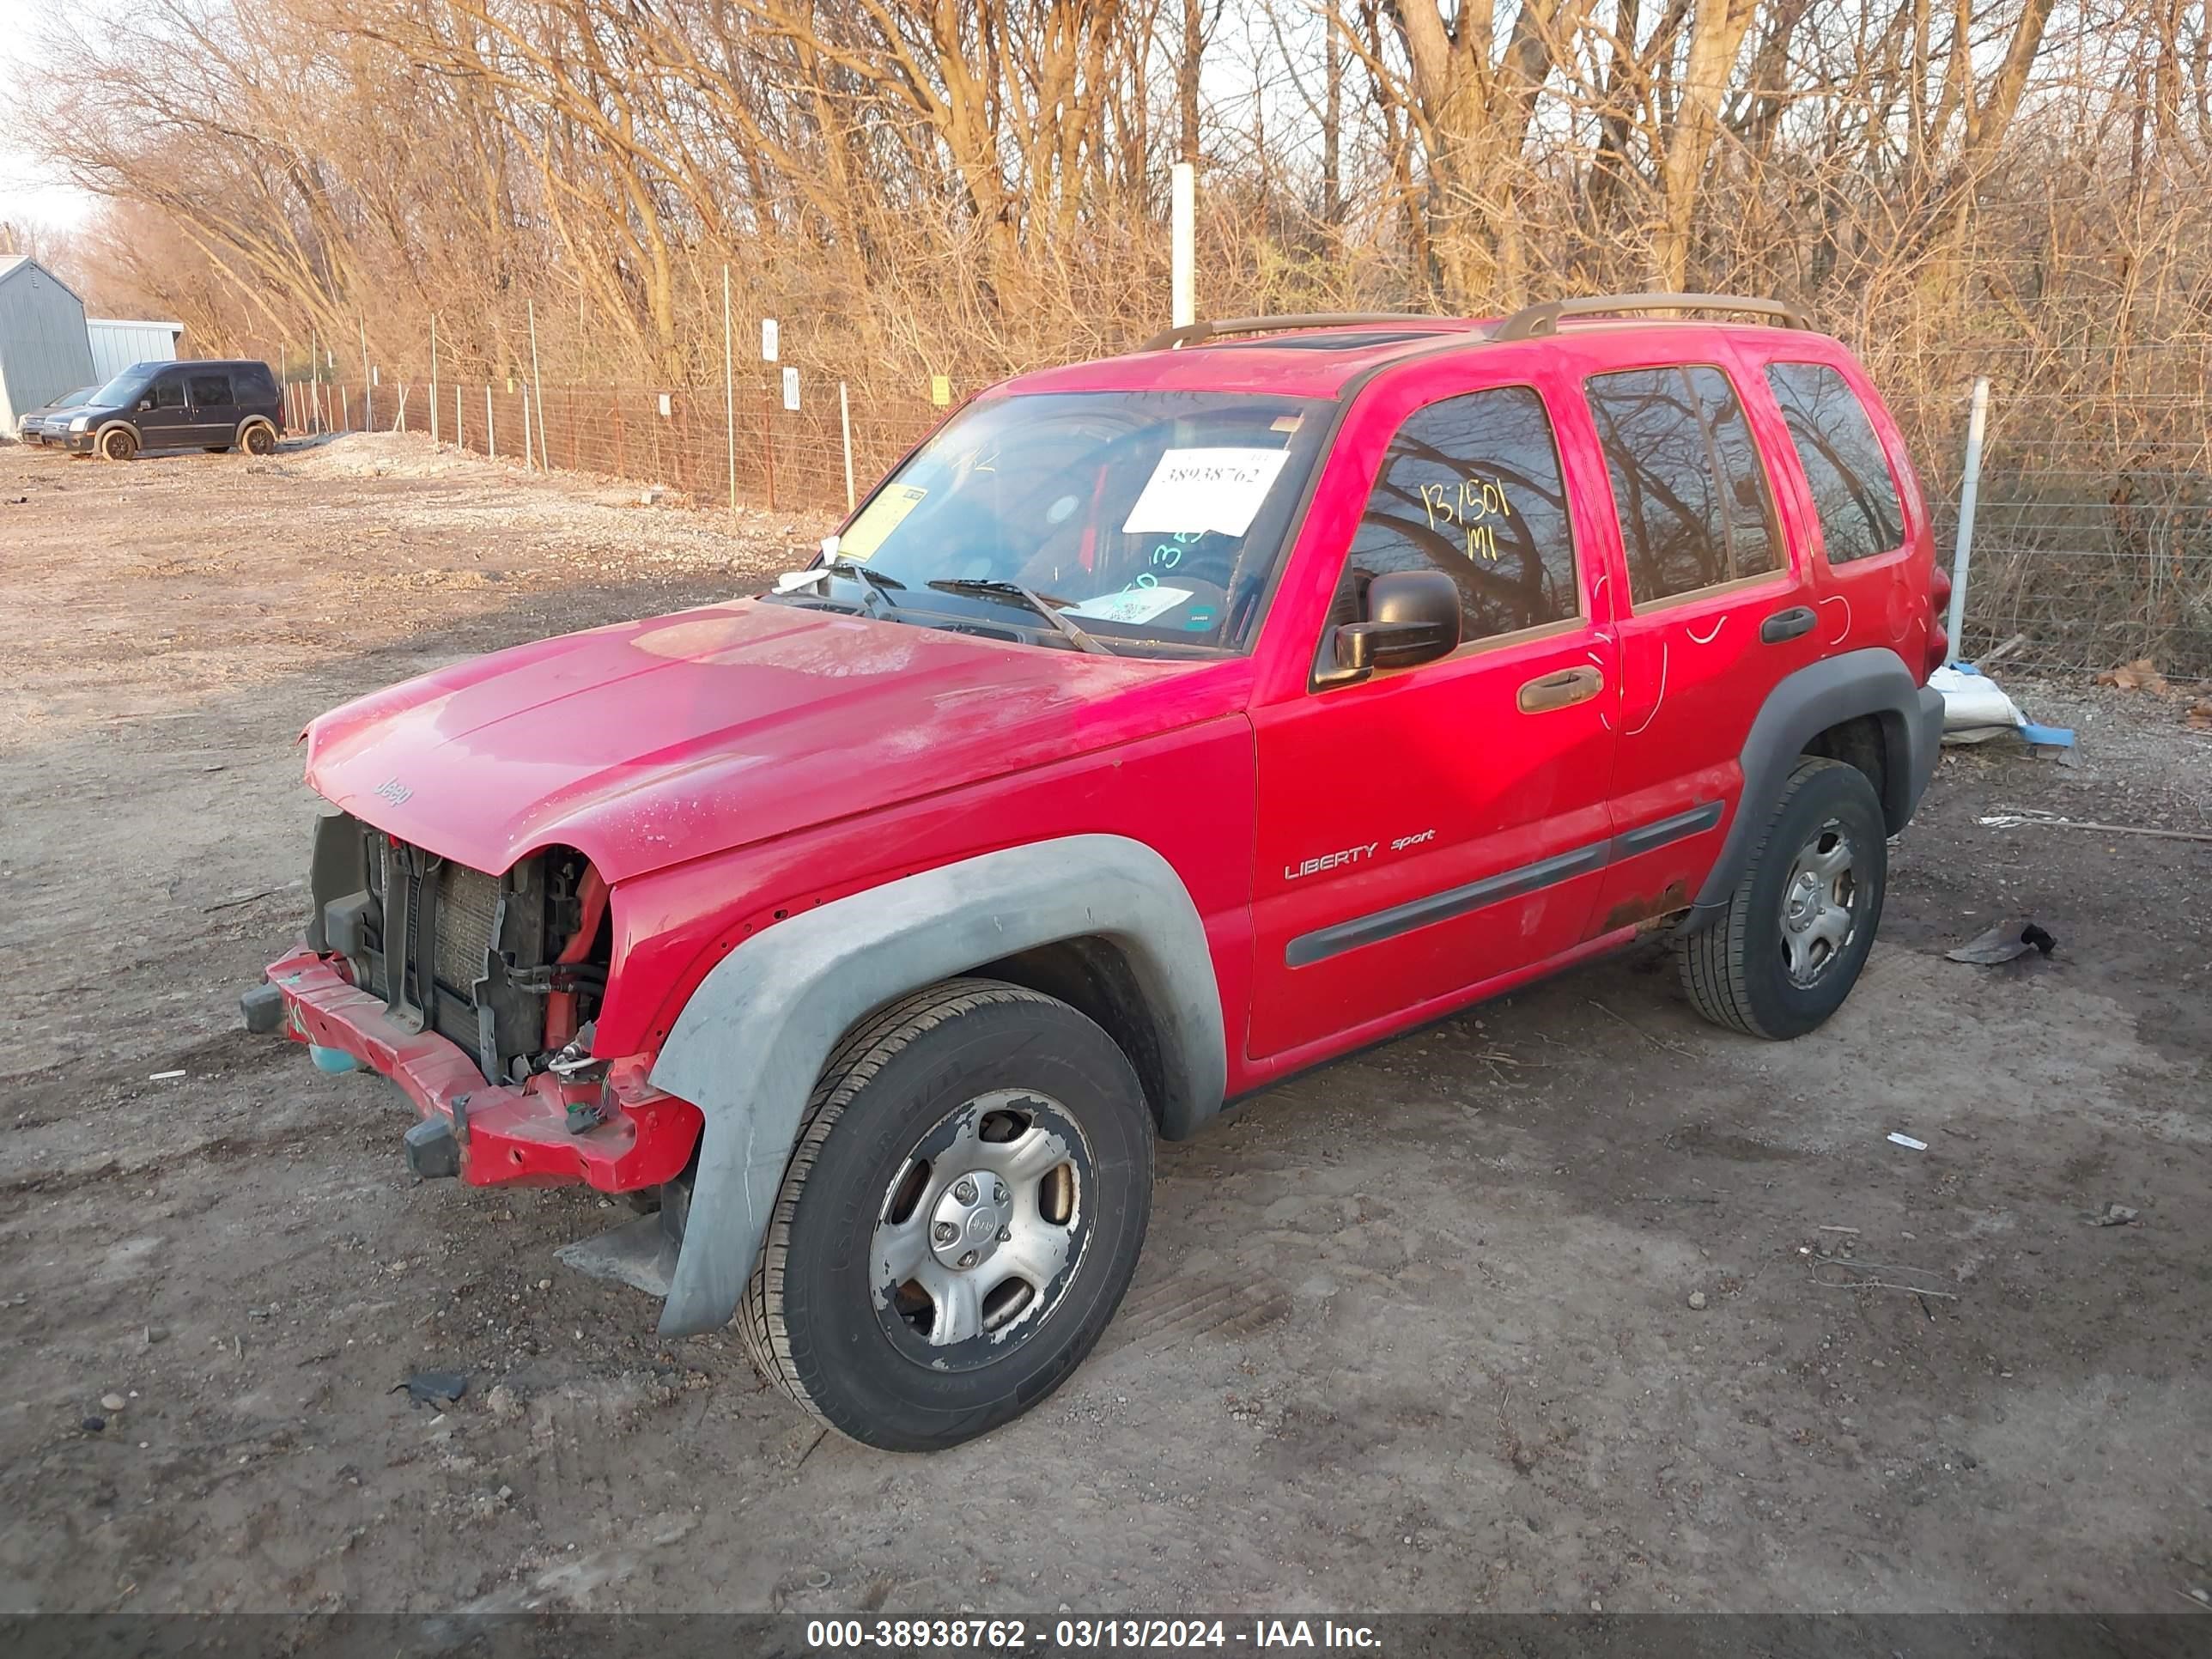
[[169, 392], [210, 391], [1471, 486], [1149, 519], [1852, 491], [1687, 486]]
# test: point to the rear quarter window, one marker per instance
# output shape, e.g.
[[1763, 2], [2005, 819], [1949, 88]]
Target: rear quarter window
[[1853, 494]]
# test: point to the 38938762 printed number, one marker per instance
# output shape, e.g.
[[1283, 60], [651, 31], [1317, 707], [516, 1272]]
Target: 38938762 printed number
[[1012, 1635]]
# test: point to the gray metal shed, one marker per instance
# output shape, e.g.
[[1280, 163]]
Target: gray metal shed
[[44, 349], [120, 342]]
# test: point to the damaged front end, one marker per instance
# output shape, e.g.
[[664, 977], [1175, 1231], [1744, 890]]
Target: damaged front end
[[475, 994]]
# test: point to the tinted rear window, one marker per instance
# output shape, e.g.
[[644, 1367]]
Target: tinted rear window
[[1687, 486], [1853, 491]]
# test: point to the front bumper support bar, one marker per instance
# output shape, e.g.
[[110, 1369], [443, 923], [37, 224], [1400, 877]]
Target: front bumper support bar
[[493, 1135]]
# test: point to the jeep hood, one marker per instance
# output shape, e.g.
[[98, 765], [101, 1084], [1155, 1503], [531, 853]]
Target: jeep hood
[[649, 743]]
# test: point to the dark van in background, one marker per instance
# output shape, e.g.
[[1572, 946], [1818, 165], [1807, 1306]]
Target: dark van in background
[[194, 405]]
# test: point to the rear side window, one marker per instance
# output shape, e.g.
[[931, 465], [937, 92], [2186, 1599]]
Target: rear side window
[[1471, 487], [1853, 491], [1687, 486], [253, 385], [210, 391]]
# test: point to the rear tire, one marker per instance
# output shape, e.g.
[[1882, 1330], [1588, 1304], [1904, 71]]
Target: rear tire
[[118, 443], [260, 440], [960, 1217], [1789, 946]]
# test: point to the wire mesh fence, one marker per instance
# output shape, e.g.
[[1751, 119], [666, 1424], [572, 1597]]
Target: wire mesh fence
[[2092, 531], [716, 449], [2093, 540]]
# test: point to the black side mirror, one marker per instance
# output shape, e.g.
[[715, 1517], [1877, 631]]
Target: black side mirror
[[1413, 617]]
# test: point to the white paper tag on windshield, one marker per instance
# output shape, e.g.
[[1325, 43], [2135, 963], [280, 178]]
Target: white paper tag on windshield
[[1194, 490], [1131, 604]]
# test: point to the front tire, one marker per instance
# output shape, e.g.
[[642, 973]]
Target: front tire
[[118, 443], [960, 1217], [1798, 926]]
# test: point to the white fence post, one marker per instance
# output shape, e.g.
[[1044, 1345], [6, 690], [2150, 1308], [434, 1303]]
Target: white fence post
[[1962, 553], [729, 393], [491, 427], [433, 377], [536, 392], [1182, 191], [845, 427]]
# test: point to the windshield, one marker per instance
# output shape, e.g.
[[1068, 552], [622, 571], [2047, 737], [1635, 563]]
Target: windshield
[[1151, 519], [72, 399], [124, 388]]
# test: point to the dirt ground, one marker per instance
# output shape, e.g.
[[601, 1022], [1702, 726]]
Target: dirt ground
[[1416, 1332]]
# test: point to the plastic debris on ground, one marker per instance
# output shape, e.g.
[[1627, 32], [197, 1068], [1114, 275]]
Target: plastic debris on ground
[[434, 1387], [1908, 1142], [2008, 940], [1975, 710]]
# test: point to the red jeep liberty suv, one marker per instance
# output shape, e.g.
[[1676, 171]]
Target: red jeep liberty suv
[[1161, 725]]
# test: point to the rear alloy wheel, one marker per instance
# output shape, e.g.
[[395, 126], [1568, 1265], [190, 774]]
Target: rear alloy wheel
[[960, 1217], [1789, 946], [118, 443], [260, 440]]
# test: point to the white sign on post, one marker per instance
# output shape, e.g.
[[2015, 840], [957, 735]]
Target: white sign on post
[[664, 409], [791, 388], [768, 339]]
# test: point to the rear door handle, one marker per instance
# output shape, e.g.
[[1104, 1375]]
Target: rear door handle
[[1789, 624], [1560, 690]]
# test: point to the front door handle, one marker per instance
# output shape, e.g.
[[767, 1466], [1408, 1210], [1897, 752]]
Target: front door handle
[[1792, 623], [1560, 690]]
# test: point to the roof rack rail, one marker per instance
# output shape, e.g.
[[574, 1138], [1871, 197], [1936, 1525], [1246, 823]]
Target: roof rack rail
[[1196, 333], [1535, 322]]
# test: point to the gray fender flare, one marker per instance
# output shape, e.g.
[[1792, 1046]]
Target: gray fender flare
[[1871, 681], [752, 1041]]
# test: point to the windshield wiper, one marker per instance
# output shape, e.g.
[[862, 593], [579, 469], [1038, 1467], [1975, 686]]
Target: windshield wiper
[[985, 588], [874, 583]]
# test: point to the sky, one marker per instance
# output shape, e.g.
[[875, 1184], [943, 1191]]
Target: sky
[[27, 191]]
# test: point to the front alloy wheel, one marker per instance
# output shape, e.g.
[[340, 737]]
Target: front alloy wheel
[[959, 1218], [982, 1230]]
